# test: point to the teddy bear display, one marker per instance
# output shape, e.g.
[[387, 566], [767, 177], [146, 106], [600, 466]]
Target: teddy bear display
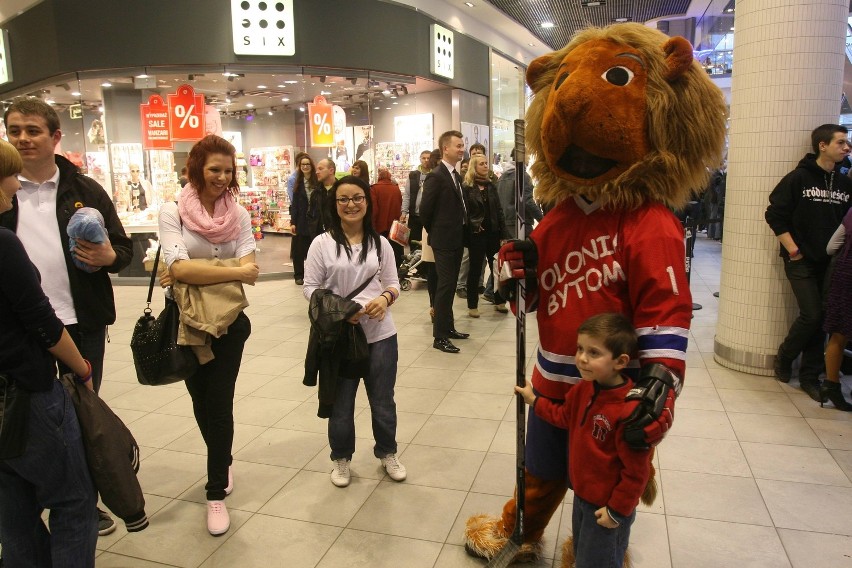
[[623, 125]]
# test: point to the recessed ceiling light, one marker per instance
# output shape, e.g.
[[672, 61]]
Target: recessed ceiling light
[[142, 76], [227, 100], [732, 28], [469, 4], [249, 105], [286, 100], [269, 113], [106, 84], [547, 25], [281, 86], [76, 93], [325, 93], [302, 109], [291, 82], [531, 44], [375, 108], [621, 20], [50, 101], [261, 86]]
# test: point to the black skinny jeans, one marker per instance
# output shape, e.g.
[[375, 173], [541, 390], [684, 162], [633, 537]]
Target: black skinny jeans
[[809, 283], [482, 246], [212, 392]]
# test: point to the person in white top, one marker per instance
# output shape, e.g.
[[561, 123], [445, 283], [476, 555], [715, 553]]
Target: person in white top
[[208, 223], [341, 260]]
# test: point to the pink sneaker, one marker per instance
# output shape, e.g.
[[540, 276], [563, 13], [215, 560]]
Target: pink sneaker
[[218, 520], [230, 486]]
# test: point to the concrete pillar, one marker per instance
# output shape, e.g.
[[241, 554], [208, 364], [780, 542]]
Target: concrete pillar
[[787, 80]]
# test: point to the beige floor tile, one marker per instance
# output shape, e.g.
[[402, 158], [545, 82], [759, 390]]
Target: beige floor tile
[[247, 383], [844, 460], [698, 543], [129, 416], [419, 400], [807, 549], [701, 455], [456, 432], [112, 560], [435, 510], [304, 418], [496, 476], [714, 497], [311, 496], [649, 543], [181, 406], [454, 556], [286, 388], [262, 411], [441, 467], [757, 402], [145, 398], [159, 430], [794, 463], [835, 435], [735, 380], [269, 365], [153, 503], [193, 442], [810, 409], [168, 474], [272, 541], [484, 382], [426, 378], [254, 485], [178, 535], [697, 377], [359, 548], [505, 441], [699, 398], [702, 424], [475, 405], [286, 448], [112, 389], [434, 359], [768, 429], [802, 506]]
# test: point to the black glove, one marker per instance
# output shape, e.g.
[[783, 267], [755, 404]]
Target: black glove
[[656, 390], [516, 259]]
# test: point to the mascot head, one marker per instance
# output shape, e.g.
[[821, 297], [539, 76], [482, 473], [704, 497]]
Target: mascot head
[[626, 115]]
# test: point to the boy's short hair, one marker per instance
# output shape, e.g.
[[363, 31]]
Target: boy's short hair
[[29, 107], [614, 330], [825, 133], [476, 146]]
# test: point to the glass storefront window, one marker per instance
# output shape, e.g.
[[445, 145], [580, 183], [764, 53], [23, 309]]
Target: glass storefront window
[[507, 105]]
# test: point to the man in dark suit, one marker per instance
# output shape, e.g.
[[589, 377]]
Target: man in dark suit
[[443, 213]]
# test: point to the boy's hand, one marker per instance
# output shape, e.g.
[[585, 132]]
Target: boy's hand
[[604, 519], [526, 392]]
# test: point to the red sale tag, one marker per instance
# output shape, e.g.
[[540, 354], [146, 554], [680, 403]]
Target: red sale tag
[[186, 114], [321, 114], [155, 124]]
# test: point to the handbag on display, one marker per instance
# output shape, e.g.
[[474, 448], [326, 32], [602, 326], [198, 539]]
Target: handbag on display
[[158, 359], [14, 418], [399, 233]]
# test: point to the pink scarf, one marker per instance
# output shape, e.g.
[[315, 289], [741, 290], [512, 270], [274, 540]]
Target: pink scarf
[[223, 227]]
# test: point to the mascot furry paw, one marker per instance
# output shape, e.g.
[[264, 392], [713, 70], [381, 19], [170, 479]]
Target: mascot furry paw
[[624, 125]]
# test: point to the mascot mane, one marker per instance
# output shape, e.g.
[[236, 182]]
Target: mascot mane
[[684, 124]]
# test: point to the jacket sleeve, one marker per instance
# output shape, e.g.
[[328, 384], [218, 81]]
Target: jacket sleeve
[[532, 210], [557, 414], [625, 495], [429, 202], [501, 219], [119, 240], [782, 202]]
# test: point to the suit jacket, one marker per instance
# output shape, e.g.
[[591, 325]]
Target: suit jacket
[[442, 211]]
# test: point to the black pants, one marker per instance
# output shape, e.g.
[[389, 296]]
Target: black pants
[[447, 263], [212, 392], [809, 283], [91, 345], [416, 228], [398, 249], [299, 251], [482, 245], [428, 269]]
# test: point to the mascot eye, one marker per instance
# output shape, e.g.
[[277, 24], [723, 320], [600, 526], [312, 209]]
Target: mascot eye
[[561, 80], [618, 76]]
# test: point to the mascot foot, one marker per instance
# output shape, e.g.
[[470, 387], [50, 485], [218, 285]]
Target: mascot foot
[[568, 560], [484, 537]]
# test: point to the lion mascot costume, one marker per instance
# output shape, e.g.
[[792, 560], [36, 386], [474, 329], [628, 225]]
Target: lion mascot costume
[[623, 127]]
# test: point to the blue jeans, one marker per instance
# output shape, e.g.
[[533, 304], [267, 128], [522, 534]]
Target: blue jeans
[[596, 546], [91, 345], [51, 474], [379, 383]]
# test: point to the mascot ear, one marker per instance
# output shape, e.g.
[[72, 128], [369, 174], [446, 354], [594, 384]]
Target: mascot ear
[[537, 68], [679, 57]]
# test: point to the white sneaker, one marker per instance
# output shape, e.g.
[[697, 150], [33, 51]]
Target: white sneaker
[[395, 470], [341, 475], [218, 520]]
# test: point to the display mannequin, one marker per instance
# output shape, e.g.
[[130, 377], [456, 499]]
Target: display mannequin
[[138, 190]]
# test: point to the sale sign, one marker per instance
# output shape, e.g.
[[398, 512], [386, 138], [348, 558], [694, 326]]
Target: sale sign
[[186, 114], [155, 124], [321, 115]]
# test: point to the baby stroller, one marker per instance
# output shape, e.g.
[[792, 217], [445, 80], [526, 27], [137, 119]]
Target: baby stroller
[[408, 268]]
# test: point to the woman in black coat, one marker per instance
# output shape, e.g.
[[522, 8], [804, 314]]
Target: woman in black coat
[[305, 215], [487, 229]]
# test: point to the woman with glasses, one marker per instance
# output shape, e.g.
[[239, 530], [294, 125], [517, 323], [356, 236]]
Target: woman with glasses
[[305, 216], [343, 259]]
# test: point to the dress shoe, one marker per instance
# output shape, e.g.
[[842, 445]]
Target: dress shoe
[[445, 345], [830, 391], [811, 388], [453, 334]]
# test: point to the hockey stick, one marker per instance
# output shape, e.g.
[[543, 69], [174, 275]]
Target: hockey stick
[[506, 555]]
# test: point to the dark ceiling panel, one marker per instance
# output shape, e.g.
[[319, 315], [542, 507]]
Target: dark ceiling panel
[[570, 15]]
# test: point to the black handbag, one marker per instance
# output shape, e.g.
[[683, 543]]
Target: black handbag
[[159, 360], [14, 418]]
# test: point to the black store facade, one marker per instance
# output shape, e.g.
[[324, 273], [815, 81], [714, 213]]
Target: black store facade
[[396, 78]]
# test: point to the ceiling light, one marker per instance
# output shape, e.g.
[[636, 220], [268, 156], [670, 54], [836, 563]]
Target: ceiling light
[[291, 82], [531, 44], [281, 86], [142, 76], [285, 99], [106, 84], [50, 101], [469, 4], [621, 20], [548, 25], [732, 28], [302, 109], [325, 92], [261, 86], [269, 113], [227, 100], [76, 93], [249, 105], [376, 108]]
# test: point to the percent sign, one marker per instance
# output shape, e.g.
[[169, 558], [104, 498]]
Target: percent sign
[[321, 120], [187, 116]]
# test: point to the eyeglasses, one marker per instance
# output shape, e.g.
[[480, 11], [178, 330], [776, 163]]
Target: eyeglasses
[[306, 165], [357, 200]]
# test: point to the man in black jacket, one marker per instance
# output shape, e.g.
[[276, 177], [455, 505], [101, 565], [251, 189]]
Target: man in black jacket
[[52, 189], [413, 195], [805, 209], [443, 213]]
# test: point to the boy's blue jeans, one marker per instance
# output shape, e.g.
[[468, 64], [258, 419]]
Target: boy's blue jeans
[[596, 546]]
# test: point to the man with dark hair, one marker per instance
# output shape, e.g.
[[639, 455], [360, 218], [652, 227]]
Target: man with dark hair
[[52, 189], [805, 208], [413, 195], [326, 171], [444, 216]]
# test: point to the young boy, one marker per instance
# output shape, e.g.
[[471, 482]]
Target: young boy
[[607, 476]]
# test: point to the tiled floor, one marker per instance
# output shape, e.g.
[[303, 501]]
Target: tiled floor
[[753, 474]]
